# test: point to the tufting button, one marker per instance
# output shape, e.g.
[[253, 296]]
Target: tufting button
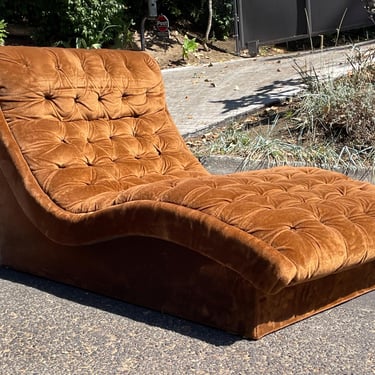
[[48, 96], [88, 162]]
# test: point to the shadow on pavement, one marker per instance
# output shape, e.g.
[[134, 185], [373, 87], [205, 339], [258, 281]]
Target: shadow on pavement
[[113, 306], [264, 95]]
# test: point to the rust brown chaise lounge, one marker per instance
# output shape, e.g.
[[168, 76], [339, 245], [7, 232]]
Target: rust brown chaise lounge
[[98, 190]]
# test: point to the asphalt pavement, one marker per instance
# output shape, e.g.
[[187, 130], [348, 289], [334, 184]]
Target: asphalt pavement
[[50, 328]]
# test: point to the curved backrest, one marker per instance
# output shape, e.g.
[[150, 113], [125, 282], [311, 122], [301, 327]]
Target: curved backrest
[[90, 121]]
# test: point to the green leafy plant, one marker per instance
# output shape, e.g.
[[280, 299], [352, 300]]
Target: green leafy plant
[[94, 21], [94, 43], [189, 46], [3, 32], [125, 37]]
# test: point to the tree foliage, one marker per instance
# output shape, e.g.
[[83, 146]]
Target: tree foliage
[[195, 13]]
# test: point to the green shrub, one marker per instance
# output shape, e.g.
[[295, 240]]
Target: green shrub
[[94, 21], [70, 22], [195, 14], [223, 19], [3, 32]]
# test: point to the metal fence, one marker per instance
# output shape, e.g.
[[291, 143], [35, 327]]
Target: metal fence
[[263, 22]]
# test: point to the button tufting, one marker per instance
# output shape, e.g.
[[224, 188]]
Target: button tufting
[[48, 96], [88, 162]]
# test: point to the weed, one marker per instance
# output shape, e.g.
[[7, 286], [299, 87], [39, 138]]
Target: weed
[[96, 41], [189, 46]]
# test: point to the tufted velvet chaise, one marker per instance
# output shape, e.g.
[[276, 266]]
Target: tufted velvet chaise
[[98, 190]]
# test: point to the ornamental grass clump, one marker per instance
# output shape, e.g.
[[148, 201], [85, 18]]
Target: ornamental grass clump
[[341, 110]]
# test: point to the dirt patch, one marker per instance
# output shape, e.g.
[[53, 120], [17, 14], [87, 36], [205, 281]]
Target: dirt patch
[[168, 52]]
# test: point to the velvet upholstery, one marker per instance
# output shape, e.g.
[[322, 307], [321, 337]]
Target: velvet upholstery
[[99, 190]]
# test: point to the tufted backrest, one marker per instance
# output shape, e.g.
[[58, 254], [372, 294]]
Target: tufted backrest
[[90, 122]]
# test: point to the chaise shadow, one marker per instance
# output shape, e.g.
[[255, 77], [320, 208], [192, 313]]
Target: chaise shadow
[[133, 312], [266, 95]]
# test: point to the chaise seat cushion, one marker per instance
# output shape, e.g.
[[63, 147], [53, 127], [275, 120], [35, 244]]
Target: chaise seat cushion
[[322, 222]]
